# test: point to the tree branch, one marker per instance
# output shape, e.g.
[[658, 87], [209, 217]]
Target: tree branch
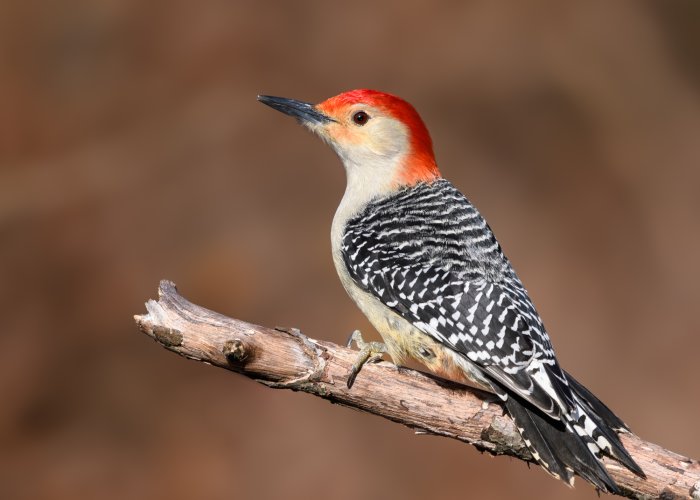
[[287, 359]]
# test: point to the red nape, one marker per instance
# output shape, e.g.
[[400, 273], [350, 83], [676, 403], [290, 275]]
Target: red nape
[[420, 165]]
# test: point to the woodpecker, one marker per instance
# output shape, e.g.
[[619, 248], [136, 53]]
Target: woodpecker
[[423, 265]]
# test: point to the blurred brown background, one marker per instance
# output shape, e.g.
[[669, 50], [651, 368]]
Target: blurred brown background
[[132, 149]]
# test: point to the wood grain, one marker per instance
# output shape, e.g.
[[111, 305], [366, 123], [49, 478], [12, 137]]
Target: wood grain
[[287, 359]]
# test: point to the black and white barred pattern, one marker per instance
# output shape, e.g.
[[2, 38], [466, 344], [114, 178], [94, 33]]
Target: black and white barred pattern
[[428, 255]]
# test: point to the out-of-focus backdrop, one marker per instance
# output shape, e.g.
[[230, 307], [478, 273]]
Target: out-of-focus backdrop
[[132, 149]]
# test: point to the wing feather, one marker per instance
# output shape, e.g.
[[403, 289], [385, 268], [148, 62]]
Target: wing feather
[[446, 274]]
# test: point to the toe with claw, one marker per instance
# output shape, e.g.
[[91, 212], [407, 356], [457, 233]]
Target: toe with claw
[[370, 352]]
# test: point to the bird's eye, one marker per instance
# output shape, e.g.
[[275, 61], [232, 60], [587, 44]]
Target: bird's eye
[[360, 118]]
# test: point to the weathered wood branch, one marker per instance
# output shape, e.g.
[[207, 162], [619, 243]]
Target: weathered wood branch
[[287, 359]]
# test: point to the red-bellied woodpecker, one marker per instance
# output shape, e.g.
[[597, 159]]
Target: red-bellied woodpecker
[[424, 266]]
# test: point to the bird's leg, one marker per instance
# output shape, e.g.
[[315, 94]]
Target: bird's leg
[[369, 352]]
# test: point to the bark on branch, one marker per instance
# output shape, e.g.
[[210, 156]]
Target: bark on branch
[[287, 359]]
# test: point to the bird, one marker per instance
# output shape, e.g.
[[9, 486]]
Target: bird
[[423, 265]]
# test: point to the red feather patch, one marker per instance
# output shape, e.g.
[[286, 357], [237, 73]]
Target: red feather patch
[[420, 165]]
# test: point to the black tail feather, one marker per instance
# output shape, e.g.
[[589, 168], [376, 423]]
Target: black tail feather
[[595, 405], [607, 423], [559, 450], [526, 422]]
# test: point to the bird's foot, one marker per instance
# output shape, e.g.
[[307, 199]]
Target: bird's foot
[[370, 352]]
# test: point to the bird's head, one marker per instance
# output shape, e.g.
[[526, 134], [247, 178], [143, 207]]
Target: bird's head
[[380, 138]]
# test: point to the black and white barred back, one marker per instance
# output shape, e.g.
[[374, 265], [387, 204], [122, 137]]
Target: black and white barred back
[[428, 254]]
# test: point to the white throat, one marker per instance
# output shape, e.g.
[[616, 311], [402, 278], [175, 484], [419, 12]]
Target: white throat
[[372, 178]]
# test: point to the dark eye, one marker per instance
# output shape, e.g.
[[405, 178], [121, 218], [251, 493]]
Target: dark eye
[[360, 118]]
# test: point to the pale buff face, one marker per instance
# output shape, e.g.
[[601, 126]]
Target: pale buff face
[[368, 150]]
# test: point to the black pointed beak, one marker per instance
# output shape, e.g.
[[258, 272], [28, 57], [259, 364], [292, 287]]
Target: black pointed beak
[[304, 112]]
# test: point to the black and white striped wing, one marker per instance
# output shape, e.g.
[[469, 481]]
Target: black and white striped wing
[[445, 273]]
